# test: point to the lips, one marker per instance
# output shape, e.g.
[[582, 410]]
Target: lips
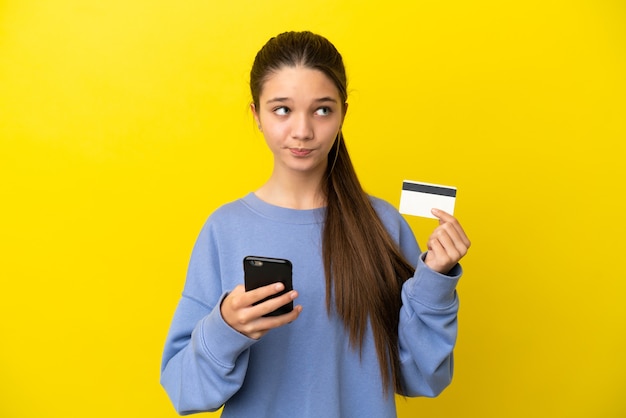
[[300, 152]]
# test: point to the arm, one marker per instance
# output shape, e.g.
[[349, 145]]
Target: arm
[[428, 330], [204, 360], [428, 317], [207, 350]]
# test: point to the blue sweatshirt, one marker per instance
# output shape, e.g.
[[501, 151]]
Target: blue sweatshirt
[[306, 368]]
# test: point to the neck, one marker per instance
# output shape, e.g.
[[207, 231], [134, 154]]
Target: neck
[[294, 192]]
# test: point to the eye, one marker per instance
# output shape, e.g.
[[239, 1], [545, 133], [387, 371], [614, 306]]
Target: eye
[[281, 110], [323, 111]]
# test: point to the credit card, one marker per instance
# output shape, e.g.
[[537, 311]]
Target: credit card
[[419, 198]]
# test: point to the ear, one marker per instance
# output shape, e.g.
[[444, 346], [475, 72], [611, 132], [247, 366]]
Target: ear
[[256, 116]]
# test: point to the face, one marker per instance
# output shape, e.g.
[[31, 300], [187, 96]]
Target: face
[[300, 114]]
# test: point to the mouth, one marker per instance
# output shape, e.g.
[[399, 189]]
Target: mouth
[[300, 152]]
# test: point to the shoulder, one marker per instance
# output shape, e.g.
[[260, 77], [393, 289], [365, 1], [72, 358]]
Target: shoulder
[[389, 216], [397, 227], [230, 212], [385, 210], [227, 217]]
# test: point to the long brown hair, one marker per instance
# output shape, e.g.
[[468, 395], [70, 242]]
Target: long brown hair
[[363, 266]]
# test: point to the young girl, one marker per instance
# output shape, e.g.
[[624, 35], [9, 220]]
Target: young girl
[[374, 315]]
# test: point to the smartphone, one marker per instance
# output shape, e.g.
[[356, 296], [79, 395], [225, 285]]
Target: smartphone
[[261, 271]]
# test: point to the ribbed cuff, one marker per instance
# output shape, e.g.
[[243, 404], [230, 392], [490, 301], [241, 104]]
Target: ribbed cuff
[[222, 342], [432, 288]]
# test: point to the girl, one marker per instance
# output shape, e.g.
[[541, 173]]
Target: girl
[[374, 315]]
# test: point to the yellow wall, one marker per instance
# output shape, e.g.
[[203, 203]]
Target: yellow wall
[[123, 124]]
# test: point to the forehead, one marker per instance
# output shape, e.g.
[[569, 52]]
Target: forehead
[[298, 83]]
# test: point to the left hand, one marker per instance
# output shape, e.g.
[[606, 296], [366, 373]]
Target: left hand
[[447, 244]]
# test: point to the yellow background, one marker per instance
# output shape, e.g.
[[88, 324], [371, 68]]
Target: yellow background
[[123, 124]]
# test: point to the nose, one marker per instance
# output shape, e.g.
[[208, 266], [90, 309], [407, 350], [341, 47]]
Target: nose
[[302, 127]]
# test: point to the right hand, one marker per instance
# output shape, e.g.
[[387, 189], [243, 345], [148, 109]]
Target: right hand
[[239, 312]]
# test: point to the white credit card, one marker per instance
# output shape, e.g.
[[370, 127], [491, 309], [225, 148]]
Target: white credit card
[[418, 198]]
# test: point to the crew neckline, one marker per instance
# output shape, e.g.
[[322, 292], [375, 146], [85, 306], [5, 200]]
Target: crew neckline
[[282, 214]]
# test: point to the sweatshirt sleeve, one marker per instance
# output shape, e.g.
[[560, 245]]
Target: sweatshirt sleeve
[[428, 324], [204, 359]]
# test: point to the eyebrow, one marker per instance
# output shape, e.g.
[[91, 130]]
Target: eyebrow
[[286, 99]]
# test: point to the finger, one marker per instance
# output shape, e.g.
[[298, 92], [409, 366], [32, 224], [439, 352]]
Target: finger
[[445, 217], [237, 298], [241, 301], [262, 325], [272, 304], [454, 237], [270, 322], [449, 249], [461, 235], [436, 257], [442, 215], [260, 293]]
